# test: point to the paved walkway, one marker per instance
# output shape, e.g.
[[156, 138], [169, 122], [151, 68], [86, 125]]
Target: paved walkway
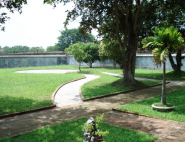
[[70, 93], [165, 129]]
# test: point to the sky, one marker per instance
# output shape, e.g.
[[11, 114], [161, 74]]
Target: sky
[[38, 25]]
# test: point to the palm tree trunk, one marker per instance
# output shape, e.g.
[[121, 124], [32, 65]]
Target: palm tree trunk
[[163, 97]]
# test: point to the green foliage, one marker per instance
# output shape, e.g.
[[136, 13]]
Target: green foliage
[[91, 50], [52, 48], [77, 51], [102, 54], [6, 50], [165, 40], [90, 127], [162, 14], [16, 49], [110, 50], [72, 36], [19, 49], [117, 20], [11, 6], [173, 15], [37, 49], [22, 49], [70, 131]]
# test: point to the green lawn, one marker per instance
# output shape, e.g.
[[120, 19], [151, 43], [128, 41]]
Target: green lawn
[[158, 74], [108, 84], [176, 98], [155, 74], [72, 132], [23, 91]]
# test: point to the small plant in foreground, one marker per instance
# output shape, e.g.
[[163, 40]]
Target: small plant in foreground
[[91, 131]]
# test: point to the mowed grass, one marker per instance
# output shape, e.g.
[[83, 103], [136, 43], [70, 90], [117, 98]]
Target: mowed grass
[[158, 74], [25, 91], [72, 132], [146, 73], [154, 74], [108, 84], [176, 98]]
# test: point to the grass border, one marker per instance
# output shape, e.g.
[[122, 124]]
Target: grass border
[[116, 93], [172, 80], [41, 108], [27, 111], [54, 93], [134, 113]]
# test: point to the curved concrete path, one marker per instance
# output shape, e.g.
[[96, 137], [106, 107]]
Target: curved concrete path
[[28, 122], [166, 130], [70, 93]]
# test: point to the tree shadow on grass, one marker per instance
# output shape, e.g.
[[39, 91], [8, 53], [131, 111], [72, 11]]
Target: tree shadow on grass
[[9, 104], [57, 116], [176, 98], [105, 89], [72, 131], [117, 86], [171, 75], [148, 75]]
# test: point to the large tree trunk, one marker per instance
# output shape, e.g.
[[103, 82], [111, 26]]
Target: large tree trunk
[[129, 47], [176, 67], [130, 43], [163, 96], [130, 60]]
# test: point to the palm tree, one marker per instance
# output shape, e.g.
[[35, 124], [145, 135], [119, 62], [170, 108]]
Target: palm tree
[[163, 42]]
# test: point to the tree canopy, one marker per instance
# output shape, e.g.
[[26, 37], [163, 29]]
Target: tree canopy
[[110, 50], [77, 51], [167, 41], [16, 49], [12, 6], [124, 20], [72, 36], [92, 55], [120, 19], [52, 48], [37, 49]]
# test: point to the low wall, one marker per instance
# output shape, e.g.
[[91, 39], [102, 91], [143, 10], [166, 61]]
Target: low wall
[[31, 60], [146, 62], [11, 61]]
